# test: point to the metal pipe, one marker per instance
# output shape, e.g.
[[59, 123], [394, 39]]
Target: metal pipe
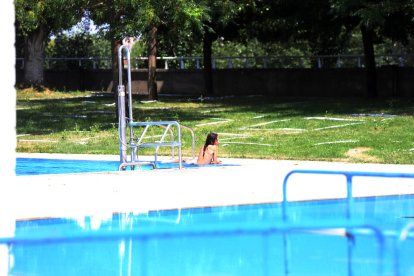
[[121, 111], [180, 157], [192, 139], [348, 175], [129, 87], [128, 56]]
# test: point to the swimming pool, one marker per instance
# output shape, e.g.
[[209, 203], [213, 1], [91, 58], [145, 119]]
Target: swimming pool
[[38, 166], [232, 240], [316, 238]]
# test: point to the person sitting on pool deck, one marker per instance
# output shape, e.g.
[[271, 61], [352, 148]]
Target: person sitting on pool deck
[[209, 152]]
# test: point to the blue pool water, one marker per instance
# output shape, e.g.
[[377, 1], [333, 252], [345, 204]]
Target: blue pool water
[[234, 240], [36, 166]]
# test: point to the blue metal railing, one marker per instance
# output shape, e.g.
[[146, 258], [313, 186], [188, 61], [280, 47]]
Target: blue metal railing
[[349, 207], [349, 176], [402, 238], [213, 230]]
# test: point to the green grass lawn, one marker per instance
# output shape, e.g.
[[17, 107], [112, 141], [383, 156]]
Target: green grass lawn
[[344, 129]]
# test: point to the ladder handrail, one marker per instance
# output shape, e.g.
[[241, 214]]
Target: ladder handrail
[[192, 139], [131, 124], [172, 138], [167, 125]]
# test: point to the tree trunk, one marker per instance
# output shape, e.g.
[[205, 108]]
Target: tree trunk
[[115, 44], [34, 53], [208, 66], [370, 68], [152, 64]]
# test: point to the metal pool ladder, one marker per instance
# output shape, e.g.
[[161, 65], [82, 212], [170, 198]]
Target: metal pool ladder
[[128, 122]]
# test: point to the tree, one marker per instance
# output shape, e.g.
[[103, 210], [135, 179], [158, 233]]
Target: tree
[[375, 19], [78, 42], [309, 25], [222, 20], [173, 17], [118, 19], [126, 18], [327, 25], [36, 21]]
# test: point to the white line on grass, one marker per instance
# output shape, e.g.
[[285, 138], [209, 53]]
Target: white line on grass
[[77, 131], [271, 122], [232, 134], [244, 143], [214, 123], [336, 142], [154, 108], [275, 129], [151, 101], [289, 129], [232, 138], [337, 126], [263, 124], [213, 110], [220, 119], [290, 133], [332, 119], [39, 141]]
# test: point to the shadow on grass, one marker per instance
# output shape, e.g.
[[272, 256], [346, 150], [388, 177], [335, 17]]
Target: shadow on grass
[[99, 113]]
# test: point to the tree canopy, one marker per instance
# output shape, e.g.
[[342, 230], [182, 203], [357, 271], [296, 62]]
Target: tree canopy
[[376, 20], [36, 21], [182, 27]]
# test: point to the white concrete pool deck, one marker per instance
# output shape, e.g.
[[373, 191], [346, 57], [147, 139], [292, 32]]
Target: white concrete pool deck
[[252, 181]]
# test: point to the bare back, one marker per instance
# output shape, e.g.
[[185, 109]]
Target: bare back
[[208, 156]]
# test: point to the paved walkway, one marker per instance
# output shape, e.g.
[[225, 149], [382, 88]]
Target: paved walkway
[[252, 181]]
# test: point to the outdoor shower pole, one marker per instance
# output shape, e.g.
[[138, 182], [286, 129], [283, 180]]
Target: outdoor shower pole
[[121, 111], [130, 113], [121, 103]]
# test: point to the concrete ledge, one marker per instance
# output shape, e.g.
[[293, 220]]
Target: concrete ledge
[[253, 181]]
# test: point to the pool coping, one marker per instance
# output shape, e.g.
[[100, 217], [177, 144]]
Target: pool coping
[[253, 181]]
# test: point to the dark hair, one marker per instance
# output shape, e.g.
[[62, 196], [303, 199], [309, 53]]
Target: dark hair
[[210, 140]]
